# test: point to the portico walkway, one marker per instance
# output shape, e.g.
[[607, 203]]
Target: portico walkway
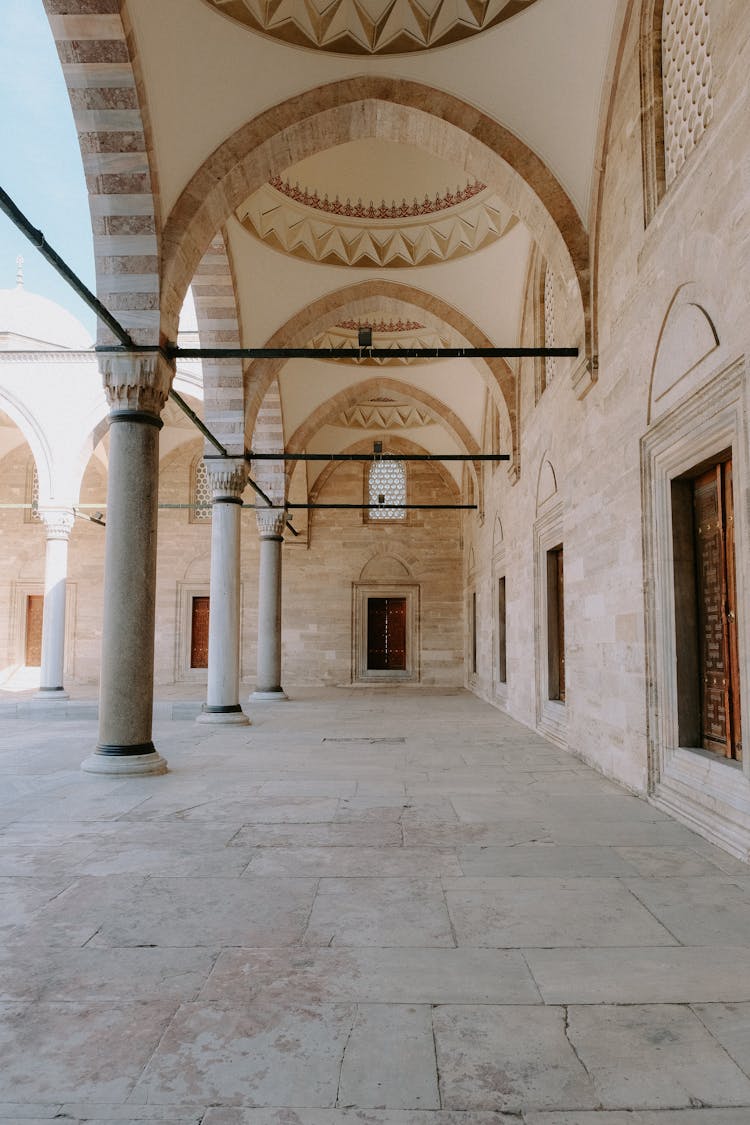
[[384, 907]]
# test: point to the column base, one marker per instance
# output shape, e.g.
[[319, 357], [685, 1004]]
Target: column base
[[278, 696], [50, 695], [226, 715], [124, 764]]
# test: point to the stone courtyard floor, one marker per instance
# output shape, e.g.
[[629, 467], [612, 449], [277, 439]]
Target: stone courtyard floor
[[381, 907]]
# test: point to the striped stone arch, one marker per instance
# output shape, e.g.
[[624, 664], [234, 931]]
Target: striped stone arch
[[388, 109], [219, 326], [97, 52], [317, 316]]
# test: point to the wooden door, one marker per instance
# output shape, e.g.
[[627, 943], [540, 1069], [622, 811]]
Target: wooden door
[[199, 633], [34, 613], [386, 634], [717, 623]]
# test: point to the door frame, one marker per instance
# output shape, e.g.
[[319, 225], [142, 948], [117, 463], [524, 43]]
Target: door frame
[[361, 592], [709, 793]]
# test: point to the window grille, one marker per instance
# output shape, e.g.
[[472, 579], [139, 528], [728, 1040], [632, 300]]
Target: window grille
[[687, 78], [31, 514], [202, 493], [387, 486], [550, 362]]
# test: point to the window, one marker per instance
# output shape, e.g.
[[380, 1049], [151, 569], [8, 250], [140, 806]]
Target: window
[[386, 487], [200, 492], [555, 625], [687, 80], [473, 612], [502, 674], [550, 362]]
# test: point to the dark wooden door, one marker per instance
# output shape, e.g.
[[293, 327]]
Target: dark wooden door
[[717, 621], [386, 634], [34, 612], [199, 633]]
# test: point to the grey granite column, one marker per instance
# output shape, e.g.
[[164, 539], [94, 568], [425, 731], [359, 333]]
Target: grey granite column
[[270, 526], [58, 524], [136, 387], [228, 479]]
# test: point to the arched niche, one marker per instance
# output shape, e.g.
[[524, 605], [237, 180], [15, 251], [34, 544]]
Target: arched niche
[[546, 486], [384, 568], [687, 339]]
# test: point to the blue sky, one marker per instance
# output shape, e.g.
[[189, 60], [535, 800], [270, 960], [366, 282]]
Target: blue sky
[[41, 163]]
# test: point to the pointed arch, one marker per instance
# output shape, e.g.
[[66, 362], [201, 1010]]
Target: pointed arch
[[389, 109], [96, 48], [317, 316]]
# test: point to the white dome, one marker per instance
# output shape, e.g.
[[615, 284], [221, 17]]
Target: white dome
[[39, 323]]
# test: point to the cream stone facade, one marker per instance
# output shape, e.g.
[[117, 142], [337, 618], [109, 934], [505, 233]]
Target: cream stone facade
[[550, 175]]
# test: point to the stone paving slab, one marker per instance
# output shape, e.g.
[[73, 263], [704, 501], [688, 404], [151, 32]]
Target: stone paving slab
[[389, 1060], [379, 911], [651, 1056], [508, 1059], [667, 975], [515, 912], [266, 1055], [391, 976], [89, 1050], [356, 1117]]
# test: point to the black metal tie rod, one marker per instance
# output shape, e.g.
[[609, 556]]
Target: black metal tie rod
[[251, 456], [386, 506], [361, 353]]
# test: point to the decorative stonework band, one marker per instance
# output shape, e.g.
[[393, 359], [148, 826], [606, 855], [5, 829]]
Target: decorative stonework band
[[376, 211]]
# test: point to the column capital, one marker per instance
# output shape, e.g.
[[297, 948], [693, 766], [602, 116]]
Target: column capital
[[227, 477], [270, 522], [138, 381], [58, 522]]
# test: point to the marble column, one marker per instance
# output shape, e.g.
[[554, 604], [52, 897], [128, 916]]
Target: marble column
[[228, 479], [270, 526], [136, 386], [58, 525]]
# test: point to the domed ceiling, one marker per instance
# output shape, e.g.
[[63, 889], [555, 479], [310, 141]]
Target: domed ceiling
[[374, 203], [370, 27]]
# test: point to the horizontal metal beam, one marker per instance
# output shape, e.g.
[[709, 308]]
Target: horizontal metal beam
[[362, 353], [388, 507], [377, 456]]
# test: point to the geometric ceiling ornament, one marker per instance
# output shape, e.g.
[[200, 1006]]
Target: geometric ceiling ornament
[[306, 224], [370, 27], [384, 416]]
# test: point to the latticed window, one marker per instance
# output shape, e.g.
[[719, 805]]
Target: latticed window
[[687, 78], [201, 494], [31, 514], [387, 486], [550, 362]]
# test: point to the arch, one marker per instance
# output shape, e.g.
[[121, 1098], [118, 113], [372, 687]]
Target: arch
[[218, 319], [686, 338], [317, 316], [546, 486], [389, 109], [384, 566], [34, 435], [94, 45], [378, 385]]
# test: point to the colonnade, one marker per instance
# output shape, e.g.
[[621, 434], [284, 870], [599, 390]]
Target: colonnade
[[137, 386]]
